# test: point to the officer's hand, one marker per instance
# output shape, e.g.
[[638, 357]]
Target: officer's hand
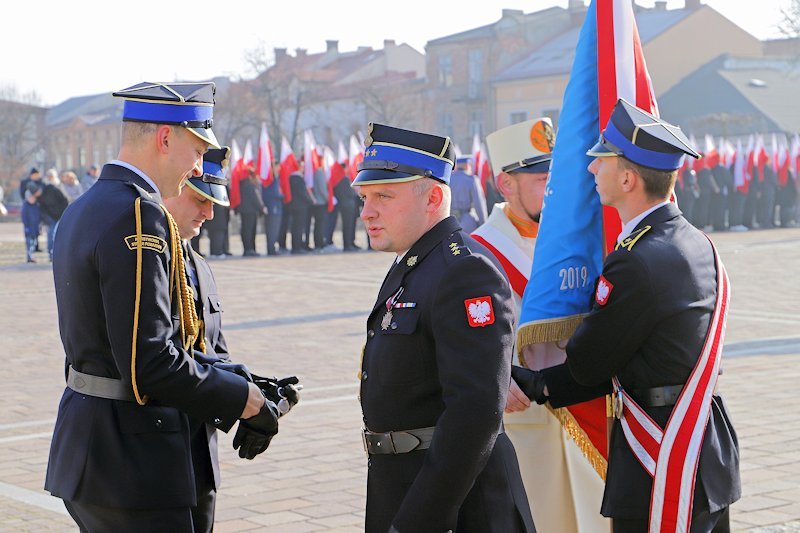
[[236, 368], [254, 434], [531, 382], [285, 392], [516, 401]]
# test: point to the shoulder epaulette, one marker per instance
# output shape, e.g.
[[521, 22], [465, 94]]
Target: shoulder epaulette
[[631, 239], [455, 247], [141, 192]]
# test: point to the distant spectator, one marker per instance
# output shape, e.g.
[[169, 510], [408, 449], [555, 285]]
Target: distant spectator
[[90, 178], [52, 203], [25, 190], [70, 186], [250, 210], [31, 217]]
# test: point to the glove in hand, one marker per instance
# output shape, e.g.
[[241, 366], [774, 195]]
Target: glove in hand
[[236, 368], [285, 392], [254, 434], [531, 382]]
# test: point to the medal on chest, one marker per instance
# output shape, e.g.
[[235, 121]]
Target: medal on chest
[[390, 304]]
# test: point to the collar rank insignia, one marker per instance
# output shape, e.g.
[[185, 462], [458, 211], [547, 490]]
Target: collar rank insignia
[[454, 248], [479, 311], [412, 261], [603, 291], [631, 239]]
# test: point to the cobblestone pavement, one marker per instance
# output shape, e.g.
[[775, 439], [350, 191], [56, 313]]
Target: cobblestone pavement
[[305, 316]]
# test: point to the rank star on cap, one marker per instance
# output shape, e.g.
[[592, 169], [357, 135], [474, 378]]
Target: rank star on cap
[[479, 311]]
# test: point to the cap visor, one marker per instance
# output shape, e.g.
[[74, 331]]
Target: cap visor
[[207, 135], [216, 193], [599, 150], [376, 177]]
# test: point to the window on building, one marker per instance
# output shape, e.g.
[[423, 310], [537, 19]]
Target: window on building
[[96, 156], [517, 117], [81, 157], [552, 114], [109, 153], [68, 161], [446, 124], [475, 73], [445, 71], [476, 123]]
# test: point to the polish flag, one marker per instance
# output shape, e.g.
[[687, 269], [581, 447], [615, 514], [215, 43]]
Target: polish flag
[[484, 171], [311, 158], [476, 157], [783, 161], [264, 162], [236, 171], [795, 155], [739, 168], [288, 165], [356, 156], [335, 171], [710, 153]]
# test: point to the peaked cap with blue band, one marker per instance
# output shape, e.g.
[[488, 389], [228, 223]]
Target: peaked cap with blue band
[[394, 155], [213, 183], [190, 105], [643, 139]]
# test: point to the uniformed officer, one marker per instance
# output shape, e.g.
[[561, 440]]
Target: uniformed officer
[[468, 202], [190, 210], [520, 156], [436, 364], [120, 455], [654, 334]]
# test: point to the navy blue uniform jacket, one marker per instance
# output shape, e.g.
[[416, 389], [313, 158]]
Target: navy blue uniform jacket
[[649, 333], [429, 367], [119, 453]]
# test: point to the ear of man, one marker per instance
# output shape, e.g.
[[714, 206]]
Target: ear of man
[[506, 184], [164, 136]]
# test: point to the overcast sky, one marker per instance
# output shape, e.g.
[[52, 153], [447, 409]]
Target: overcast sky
[[64, 49]]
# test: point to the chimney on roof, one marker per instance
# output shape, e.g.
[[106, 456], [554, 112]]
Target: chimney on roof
[[577, 12], [300, 52], [364, 48], [332, 46], [388, 43], [660, 5], [280, 54], [511, 12], [693, 4]]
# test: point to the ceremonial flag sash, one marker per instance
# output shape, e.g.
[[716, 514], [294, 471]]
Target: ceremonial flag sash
[[514, 260], [671, 456]]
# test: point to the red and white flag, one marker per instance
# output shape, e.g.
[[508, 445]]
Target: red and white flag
[[484, 169], [311, 158], [288, 165], [740, 168], [264, 161], [336, 173], [356, 156], [794, 153], [236, 170]]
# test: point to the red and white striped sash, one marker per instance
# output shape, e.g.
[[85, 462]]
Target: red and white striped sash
[[671, 456], [516, 264]]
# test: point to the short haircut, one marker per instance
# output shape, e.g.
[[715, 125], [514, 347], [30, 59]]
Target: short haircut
[[658, 184], [135, 132], [422, 186]]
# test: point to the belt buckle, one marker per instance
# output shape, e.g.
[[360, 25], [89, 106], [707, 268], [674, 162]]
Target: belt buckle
[[364, 441]]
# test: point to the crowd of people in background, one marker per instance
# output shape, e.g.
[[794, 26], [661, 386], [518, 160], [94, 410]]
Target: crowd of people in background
[[297, 204]]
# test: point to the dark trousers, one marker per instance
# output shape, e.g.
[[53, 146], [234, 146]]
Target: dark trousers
[[203, 513], [299, 219], [96, 518], [736, 208], [330, 224], [749, 209], [702, 522], [765, 210], [349, 217], [249, 226], [218, 241], [718, 209], [273, 225], [286, 220], [318, 217], [702, 209]]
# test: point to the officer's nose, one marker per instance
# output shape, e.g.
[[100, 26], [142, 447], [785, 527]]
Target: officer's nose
[[197, 170], [593, 165], [208, 210], [368, 212]]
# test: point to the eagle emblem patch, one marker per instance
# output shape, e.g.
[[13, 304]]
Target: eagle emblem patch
[[603, 291], [479, 311]]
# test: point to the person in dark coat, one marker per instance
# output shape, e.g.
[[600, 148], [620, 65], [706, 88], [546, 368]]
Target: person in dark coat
[[273, 201], [299, 211], [435, 368], [120, 456], [347, 203], [658, 318], [250, 209]]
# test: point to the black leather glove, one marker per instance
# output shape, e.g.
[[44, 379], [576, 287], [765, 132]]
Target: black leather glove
[[254, 434], [285, 392], [531, 382], [236, 368]]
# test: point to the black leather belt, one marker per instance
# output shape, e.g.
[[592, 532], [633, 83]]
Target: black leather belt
[[657, 396], [100, 387], [395, 442]]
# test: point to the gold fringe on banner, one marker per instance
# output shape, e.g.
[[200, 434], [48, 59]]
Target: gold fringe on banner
[[577, 434], [551, 330]]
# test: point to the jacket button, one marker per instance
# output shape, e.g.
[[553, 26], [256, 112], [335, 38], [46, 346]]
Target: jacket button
[[370, 333], [364, 376], [394, 325], [159, 423], [217, 421]]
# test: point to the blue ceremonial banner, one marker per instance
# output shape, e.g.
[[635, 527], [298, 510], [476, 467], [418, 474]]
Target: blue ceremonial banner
[[569, 248]]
